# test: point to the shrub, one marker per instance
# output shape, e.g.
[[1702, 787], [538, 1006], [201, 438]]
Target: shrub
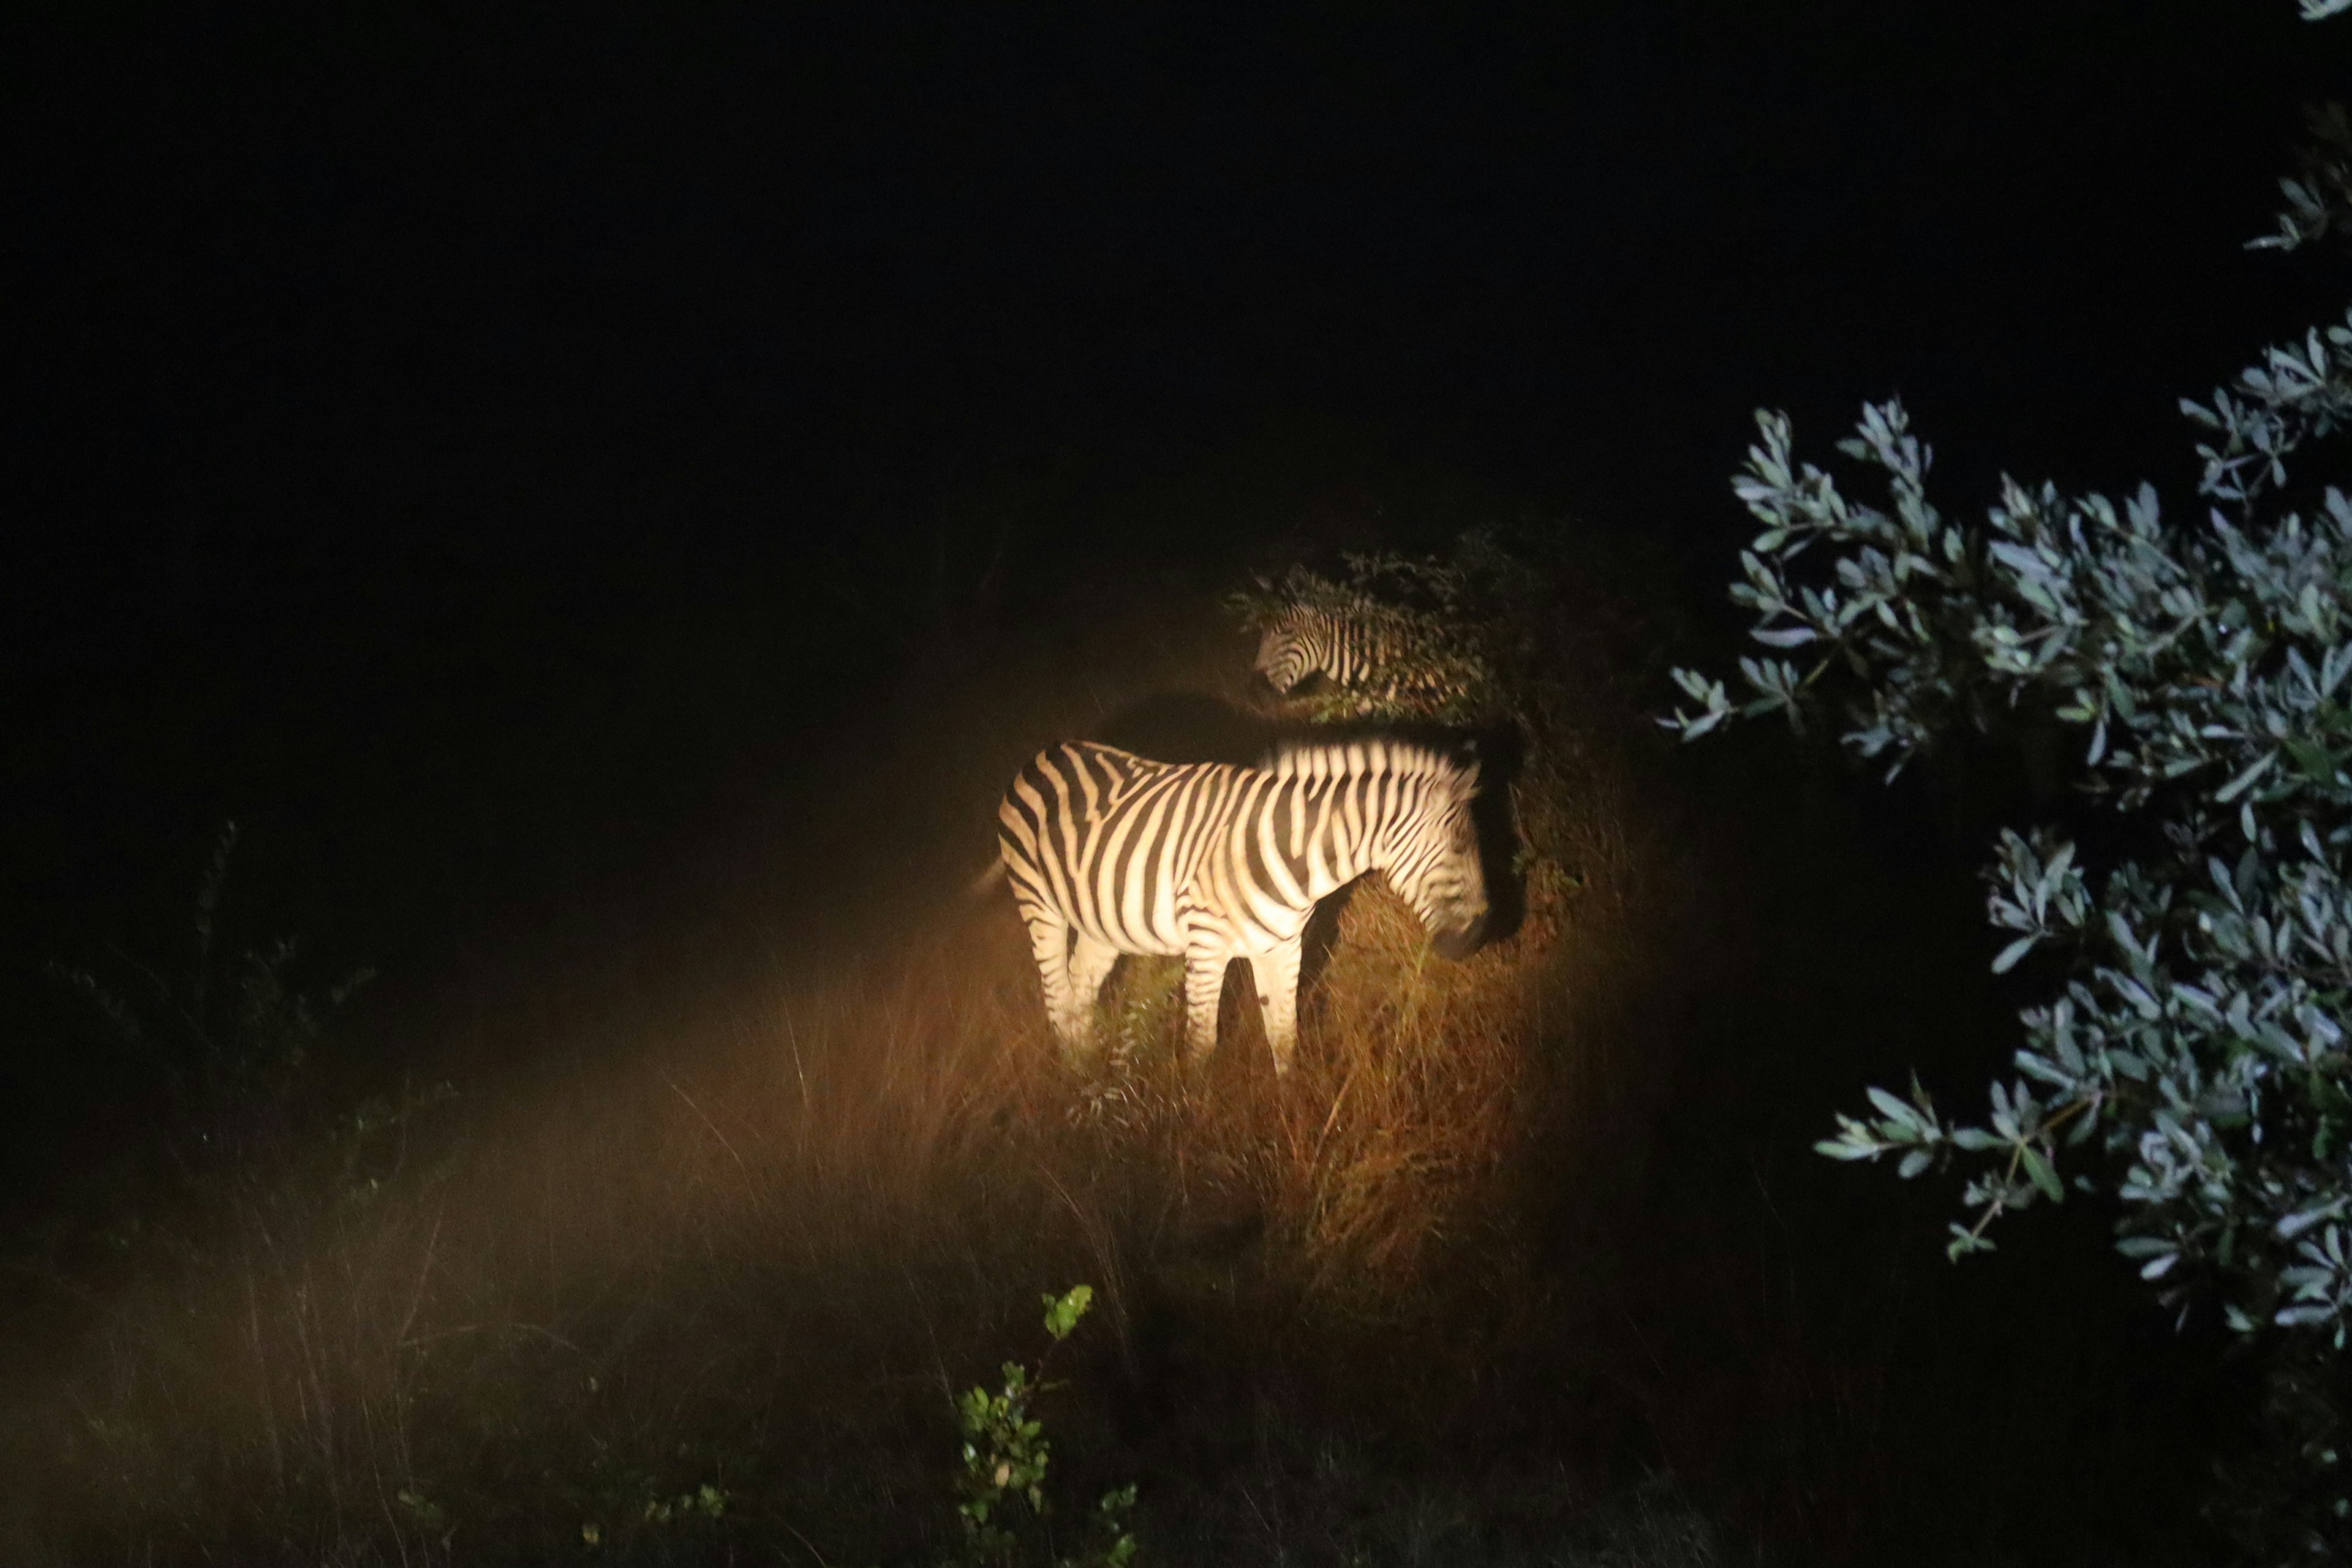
[[2192, 1063], [1005, 1458]]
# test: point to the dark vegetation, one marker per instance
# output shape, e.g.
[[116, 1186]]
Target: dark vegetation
[[1529, 1262], [605, 504]]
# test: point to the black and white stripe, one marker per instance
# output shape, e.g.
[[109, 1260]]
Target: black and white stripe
[[1345, 648], [1110, 853]]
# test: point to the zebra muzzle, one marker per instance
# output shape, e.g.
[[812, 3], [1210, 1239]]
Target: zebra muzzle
[[1458, 941]]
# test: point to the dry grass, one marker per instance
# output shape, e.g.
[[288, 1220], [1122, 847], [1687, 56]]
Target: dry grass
[[753, 1241]]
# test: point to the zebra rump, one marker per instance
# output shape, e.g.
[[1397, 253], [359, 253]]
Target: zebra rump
[[1110, 853]]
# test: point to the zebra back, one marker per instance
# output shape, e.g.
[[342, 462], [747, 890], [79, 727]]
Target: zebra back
[[1121, 845]]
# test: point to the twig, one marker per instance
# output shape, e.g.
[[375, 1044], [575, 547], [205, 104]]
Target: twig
[[723, 1143]]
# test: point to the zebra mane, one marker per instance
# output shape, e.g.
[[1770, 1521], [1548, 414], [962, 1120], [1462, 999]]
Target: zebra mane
[[1356, 607], [1371, 754]]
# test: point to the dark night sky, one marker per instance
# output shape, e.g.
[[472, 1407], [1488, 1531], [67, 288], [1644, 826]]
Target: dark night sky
[[390, 406]]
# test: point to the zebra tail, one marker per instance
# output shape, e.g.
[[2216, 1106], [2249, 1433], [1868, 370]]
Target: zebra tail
[[980, 887]]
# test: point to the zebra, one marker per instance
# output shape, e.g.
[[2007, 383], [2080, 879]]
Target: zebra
[[1347, 647], [1375, 660], [1110, 853]]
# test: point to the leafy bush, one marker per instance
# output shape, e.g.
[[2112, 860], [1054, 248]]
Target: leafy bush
[[2192, 1061]]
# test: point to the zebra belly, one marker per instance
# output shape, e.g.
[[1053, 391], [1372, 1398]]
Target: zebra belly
[[1148, 945]]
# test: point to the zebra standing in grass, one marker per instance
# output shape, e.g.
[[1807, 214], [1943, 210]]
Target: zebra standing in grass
[[1109, 853]]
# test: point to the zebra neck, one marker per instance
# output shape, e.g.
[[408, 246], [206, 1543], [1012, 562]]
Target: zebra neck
[[1340, 853], [1346, 862]]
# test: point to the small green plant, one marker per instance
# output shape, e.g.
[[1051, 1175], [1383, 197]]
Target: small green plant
[[242, 1129], [1141, 1015], [646, 1508], [1005, 1457], [249, 1170], [231, 1062]]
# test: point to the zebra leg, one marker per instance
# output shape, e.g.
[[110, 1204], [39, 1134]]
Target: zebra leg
[[1276, 974], [1049, 941], [1090, 965], [1204, 983]]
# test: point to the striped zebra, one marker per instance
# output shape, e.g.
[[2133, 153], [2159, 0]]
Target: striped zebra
[[1109, 853], [1346, 647]]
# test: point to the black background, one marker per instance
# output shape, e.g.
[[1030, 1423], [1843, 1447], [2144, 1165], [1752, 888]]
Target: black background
[[477, 453]]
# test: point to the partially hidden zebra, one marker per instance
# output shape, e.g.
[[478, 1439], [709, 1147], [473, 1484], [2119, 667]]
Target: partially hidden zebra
[[1346, 647], [1375, 659], [1110, 853]]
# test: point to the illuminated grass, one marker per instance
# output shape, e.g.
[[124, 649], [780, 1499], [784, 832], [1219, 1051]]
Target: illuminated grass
[[702, 1271]]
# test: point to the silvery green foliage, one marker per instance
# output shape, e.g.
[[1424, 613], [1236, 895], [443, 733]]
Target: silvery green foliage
[[2317, 199], [2193, 1061]]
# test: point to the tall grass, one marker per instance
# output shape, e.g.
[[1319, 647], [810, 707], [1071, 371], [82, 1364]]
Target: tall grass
[[686, 1276]]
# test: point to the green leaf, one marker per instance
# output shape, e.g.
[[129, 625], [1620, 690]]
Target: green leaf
[[2043, 1176], [2245, 781], [1894, 1110], [1062, 1316]]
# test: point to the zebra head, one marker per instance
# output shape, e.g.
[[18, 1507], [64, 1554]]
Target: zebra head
[[1292, 648], [1428, 850]]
